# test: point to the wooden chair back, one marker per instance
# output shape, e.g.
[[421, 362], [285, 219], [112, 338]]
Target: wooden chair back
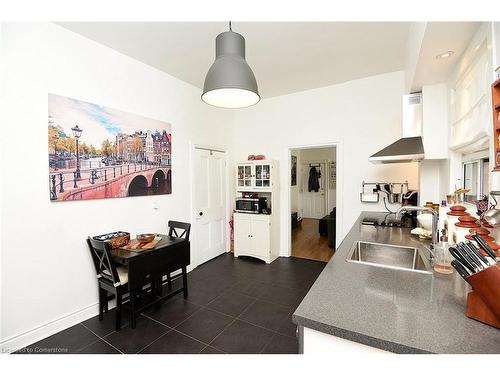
[[103, 261]]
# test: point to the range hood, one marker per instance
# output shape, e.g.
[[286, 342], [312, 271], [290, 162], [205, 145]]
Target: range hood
[[410, 146]]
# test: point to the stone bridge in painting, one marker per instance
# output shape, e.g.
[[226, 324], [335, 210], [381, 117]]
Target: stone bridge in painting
[[110, 182]]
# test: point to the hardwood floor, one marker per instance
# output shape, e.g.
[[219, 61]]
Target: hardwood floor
[[308, 244]]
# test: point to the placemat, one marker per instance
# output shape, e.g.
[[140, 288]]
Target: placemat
[[135, 246]]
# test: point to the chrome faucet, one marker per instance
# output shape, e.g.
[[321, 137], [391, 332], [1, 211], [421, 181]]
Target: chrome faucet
[[435, 232]]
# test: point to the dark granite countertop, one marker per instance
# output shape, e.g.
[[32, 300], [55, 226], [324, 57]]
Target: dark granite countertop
[[394, 310]]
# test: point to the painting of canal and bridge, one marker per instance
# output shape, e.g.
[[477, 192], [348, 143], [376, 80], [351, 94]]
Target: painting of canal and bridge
[[97, 152]]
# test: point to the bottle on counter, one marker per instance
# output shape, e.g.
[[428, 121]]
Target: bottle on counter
[[442, 258]]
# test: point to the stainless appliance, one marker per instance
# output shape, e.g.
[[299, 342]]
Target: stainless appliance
[[410, 146], [248, 205], [252, 204]]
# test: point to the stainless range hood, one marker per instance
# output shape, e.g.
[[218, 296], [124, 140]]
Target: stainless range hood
[[410, 146]]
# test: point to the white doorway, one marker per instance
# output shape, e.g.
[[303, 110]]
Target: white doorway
[[209, 233], [313, 201]]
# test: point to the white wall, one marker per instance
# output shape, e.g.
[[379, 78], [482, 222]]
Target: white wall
[[360, 117], [434, 181], [435, 121], [412, 52], [46, 268]]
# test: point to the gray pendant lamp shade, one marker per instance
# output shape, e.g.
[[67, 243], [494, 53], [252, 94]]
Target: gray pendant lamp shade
[[230, 82]]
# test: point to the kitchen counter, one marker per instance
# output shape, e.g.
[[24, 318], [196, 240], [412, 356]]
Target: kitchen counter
[[393, 310]]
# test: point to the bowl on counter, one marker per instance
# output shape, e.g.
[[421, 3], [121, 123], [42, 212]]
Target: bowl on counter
[[145, 238], [425, 221]]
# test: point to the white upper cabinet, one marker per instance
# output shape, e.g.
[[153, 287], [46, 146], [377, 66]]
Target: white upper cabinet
[[435, 121], [255, 175]]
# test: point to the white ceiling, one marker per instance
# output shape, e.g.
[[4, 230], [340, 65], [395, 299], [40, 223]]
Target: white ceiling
[[440, 37], [286, 57]]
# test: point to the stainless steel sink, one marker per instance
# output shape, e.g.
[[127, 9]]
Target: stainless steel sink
[[389, 256]]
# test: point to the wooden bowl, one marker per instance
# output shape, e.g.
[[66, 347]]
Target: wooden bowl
[[145, 238]]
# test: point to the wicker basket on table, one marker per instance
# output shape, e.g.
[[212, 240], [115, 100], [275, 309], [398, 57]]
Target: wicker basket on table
[[116, 239]]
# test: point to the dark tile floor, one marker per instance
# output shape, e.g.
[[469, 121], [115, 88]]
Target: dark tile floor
[[234, 306]]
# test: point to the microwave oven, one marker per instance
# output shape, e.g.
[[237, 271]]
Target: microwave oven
[[247, 205], [251, 205]]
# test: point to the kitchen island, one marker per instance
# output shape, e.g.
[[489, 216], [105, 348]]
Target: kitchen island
[[387, 309]]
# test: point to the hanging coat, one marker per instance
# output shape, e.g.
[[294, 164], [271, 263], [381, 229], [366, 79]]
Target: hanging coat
[[314, 176]]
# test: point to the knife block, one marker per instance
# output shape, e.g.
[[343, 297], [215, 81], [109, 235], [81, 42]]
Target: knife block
[[483, 303]]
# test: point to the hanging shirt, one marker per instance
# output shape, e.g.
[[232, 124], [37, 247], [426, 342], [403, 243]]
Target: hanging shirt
[[314, 176]]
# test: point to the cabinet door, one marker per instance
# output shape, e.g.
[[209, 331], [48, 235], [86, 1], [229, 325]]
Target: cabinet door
[[244, 175], [240, 176], [260, 236], [248, 176], [242, 233], [263, 175]]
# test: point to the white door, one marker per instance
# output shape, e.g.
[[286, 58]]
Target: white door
[[209, 204], [313, 202]]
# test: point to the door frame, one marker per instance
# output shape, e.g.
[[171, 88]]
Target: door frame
[[286, 212], [192, 149]]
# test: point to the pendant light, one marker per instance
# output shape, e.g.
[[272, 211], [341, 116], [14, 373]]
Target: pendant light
[[230, 83]]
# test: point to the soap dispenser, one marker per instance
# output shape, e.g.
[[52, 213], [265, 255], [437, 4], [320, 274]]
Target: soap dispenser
[[442, 258]]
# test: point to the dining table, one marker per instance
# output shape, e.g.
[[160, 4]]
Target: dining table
[[123, 256], [170, 254]]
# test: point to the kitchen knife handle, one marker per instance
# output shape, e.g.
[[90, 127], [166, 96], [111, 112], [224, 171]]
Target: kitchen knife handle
[[460, 269], [460, 259], [466, 256], [481, 242], [476, 252], [470, 257]]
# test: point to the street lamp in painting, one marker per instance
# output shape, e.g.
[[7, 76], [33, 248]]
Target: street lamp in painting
[[77, 132], [56, 139]]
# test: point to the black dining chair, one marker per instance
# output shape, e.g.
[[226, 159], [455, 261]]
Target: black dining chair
[[180, 230], [110, 278], [175, 227]]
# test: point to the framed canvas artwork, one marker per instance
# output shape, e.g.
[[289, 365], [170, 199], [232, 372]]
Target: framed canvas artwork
[[98, 152]]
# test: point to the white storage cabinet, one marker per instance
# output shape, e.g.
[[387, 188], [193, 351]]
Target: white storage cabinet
[[252, 236]]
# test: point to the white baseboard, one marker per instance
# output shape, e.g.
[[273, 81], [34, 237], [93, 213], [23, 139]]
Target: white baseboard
[[31, 336]]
